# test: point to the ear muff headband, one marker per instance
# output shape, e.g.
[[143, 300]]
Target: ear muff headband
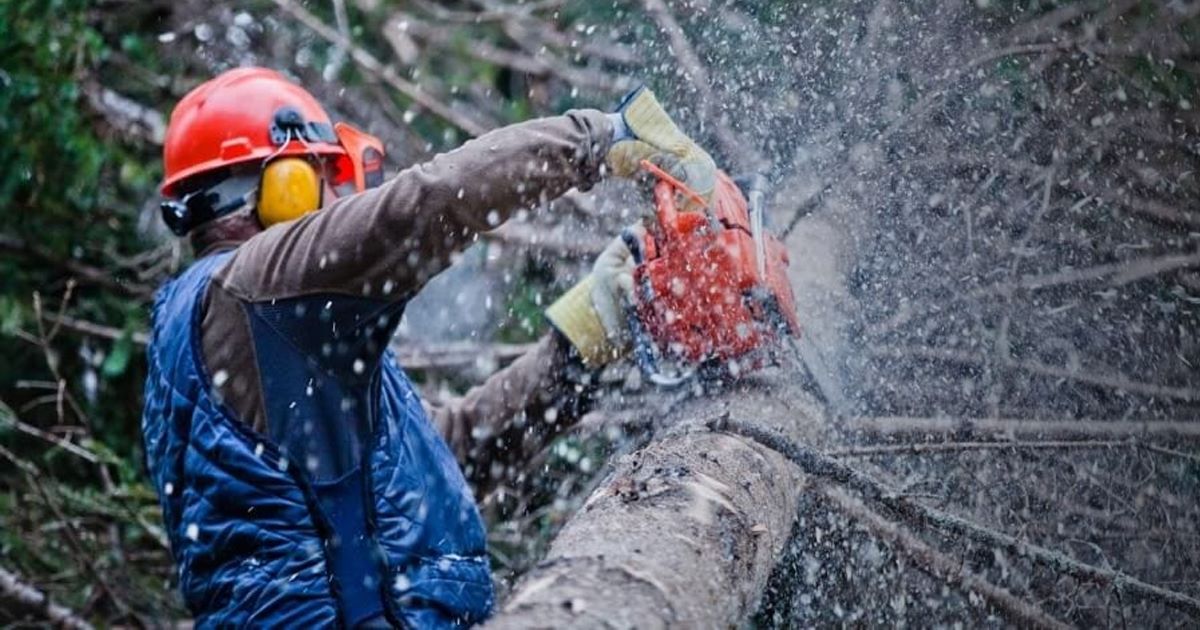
[[288, 189]]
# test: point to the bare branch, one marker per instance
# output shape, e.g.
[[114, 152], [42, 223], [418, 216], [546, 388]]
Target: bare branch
[[1118, 382], [387, 74], [1118, 274], [93, 329], [1012, 429], [23, 597], [695, 70], [1021, 612], [1162, 450], [818, 465], [922, 448], [456, 354], [952, 75], [491, 14], [521, 23], [540, 65], [82, 272], [532, 34], [338, 58], [8, 417]]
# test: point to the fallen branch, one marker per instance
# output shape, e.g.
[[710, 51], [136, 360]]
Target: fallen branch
[[82, 272], [21, 597], [1021, 612], [818, 465], [1118, 274], [1012, 429], [7, 416], [456, 354], [558, 240], [1111, 381], [948, 447]]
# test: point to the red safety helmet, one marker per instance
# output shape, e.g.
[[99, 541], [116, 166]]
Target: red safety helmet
[[243, 115], [249, 116]]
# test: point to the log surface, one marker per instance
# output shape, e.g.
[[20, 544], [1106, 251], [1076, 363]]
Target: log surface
[[683, 532]]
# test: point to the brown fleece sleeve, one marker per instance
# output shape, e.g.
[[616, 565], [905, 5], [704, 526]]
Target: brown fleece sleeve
[[388, 241], [515, 413]]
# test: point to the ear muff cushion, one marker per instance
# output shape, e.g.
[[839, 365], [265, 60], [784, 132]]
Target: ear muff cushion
[[289, 188]]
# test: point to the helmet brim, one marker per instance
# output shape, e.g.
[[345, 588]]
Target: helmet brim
[[294, 148]]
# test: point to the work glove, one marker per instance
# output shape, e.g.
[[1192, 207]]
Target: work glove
[[650, 134], [592, 314]]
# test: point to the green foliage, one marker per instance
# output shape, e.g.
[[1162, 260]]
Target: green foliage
[[55, 160], [523, 319], [118, 358], [70, 195]]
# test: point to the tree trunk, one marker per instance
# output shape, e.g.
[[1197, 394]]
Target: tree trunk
[[685, 531]]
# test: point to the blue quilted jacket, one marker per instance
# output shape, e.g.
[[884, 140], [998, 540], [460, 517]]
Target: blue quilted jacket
[[387, 534]]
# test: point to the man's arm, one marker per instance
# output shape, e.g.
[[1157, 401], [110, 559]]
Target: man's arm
[[507, 420], [387, 242], [516, 412]]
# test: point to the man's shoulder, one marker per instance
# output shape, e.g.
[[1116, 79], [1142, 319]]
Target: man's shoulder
[[179, 294], [200, 270]]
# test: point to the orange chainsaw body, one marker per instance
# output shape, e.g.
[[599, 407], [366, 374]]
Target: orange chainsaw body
[[700, 293]]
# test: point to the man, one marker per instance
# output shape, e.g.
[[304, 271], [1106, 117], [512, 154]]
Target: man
[[301, 480]]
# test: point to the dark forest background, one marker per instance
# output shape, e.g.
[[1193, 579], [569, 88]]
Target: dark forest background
[[1020, 178]]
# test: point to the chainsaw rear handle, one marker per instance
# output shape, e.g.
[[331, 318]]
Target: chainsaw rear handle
[[645, 352]]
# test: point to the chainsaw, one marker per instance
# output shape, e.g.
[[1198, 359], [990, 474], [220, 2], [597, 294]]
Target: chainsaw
[[711, 294]]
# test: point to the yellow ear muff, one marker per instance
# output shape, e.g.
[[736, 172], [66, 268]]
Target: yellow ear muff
[[289, 188]]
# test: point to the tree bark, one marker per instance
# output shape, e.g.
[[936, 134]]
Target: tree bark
[[683, 532]]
